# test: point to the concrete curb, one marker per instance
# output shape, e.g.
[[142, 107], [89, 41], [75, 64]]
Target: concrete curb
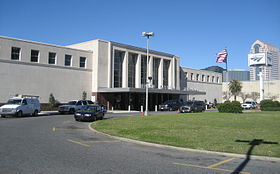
[[262, 158]]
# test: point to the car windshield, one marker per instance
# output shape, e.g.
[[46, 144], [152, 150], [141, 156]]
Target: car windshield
[[188, 103], [248, 102], [14, 102], [91, 108], [72, 102], [90, 102]]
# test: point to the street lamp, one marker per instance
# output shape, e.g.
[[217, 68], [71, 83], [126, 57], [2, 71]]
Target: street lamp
[[149, 79]]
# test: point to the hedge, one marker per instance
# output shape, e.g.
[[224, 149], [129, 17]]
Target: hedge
[[230, 107]]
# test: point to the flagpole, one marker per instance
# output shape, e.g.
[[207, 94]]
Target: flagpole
[[226, 59]]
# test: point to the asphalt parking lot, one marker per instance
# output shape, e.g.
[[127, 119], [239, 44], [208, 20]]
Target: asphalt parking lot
[[58, 144]]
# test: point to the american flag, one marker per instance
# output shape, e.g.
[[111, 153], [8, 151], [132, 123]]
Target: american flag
[[222, 56]]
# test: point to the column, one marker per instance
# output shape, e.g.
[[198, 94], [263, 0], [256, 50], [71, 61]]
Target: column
[[125, 71], [160, 74], [138, 72]]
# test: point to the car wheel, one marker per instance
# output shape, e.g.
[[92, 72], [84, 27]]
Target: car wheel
[[3, 116], [72, 111], [19, 114], [35, 113]]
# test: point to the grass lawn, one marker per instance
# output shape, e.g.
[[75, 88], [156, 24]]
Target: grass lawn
[[205, 131]]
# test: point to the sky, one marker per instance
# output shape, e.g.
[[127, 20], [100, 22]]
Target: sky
[[194, 30]]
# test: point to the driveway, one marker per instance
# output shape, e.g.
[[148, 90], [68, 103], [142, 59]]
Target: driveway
[[59, 145]]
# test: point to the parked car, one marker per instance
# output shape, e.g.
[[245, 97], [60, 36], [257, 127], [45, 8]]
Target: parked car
[[192, 106], [19, 106], [73, 106], [89, 113], [249, 105], [170, 105]]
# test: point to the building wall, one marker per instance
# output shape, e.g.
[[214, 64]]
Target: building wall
[[271, 89], [271, 67], [241, 75], [40, 78], [202, 80]]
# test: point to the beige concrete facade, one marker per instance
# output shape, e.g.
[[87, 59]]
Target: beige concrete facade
[[204, 81], [67, 80], [40, 78], [271, 89]]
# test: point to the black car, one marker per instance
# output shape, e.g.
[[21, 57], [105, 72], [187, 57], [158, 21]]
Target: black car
[[170, 105], [89, 113], [192, 106]]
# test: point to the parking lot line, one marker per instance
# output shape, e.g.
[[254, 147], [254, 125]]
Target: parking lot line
[[105, 141], [65, 129], [220, 163], [207, 167], [78, 142]]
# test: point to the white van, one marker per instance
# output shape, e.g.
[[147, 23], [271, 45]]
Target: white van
[[19, 106]]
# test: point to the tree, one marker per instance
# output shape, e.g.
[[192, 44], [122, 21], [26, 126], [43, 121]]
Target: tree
[[226, 95], [235, 88], [52, 101], [244, 96], [254, 96], [84, 95]]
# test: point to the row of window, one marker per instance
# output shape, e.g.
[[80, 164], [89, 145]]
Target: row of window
[[203, 78], [16, 52]]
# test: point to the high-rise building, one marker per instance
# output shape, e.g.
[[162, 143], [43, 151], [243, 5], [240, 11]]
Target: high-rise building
[[264, 57]]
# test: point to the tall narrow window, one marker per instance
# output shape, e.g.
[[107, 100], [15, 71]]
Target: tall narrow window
[[15, 54], [118, 61], [34, 56], [83, 62], [68, 60], [132, 59], [166, 64], [143, 71], [156, 62], [52, 57]]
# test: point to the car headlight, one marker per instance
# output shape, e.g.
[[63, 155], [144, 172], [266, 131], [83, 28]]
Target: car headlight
[[87, 115], [78, 114]]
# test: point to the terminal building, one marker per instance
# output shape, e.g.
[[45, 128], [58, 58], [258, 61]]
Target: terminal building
[[111, 73]]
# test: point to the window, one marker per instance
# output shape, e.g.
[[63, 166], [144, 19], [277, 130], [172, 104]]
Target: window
[[132, 59], [213, 79], [52, 57], [68, 60], [118, 61], [208, 79], [191, 78], [83, 62], [257, 48], [156, 62], [203, 78], [15, 54], [34, 56], [166, 64], [143, 71], [217, 80], [197, 77]]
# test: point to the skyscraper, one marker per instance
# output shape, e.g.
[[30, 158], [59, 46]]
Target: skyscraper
[[266, 58]]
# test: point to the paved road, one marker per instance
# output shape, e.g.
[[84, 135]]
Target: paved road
[[59, 145]]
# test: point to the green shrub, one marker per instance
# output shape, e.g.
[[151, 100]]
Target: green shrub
[[230, 107], [269, 105]]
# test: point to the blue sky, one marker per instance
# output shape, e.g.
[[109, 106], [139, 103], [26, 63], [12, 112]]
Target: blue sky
[[195, 30]]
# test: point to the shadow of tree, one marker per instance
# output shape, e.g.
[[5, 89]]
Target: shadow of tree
[[252, 144]]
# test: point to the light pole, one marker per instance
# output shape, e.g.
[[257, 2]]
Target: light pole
[[147, 34]]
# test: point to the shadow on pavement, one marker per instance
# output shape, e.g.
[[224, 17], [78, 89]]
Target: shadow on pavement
[[253, 143]]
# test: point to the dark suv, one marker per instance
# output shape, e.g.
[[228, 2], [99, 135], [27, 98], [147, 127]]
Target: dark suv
[[192, 106], [170, 105]]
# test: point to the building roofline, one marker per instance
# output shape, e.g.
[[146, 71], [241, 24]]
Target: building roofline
[[144, 50], [44, 44]]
